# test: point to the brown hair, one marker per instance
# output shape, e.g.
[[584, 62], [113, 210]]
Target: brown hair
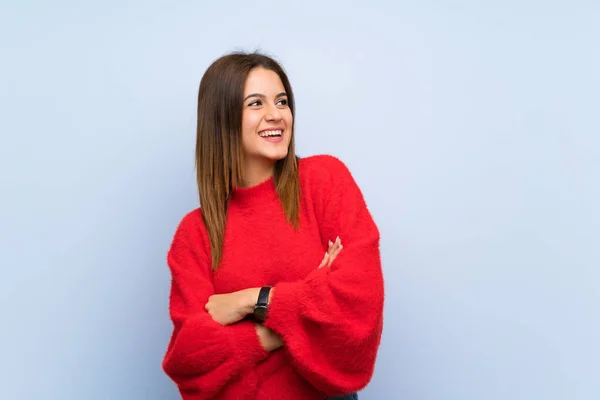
[[219, 153]]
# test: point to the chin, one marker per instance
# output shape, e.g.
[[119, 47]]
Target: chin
[[275, 154], [276, 157]]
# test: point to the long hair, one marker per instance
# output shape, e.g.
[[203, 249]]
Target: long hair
[[219, 152]]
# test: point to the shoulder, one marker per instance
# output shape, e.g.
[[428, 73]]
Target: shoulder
[[322, 167], [326, 178], [320, 161], [191, 221]]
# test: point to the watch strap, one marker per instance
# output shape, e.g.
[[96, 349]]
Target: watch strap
[[263, 296], [262, 303]]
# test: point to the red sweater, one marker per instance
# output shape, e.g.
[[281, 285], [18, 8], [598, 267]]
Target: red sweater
[[330, 319]]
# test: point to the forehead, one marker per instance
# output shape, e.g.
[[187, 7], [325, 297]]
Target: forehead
[[261, 80]]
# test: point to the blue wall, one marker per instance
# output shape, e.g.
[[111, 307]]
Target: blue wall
[[472, 128]]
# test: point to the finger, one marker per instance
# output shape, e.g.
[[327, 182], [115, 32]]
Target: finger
[[334, 255], [337, 252], [333, 247], [324, 262], [330, 259]]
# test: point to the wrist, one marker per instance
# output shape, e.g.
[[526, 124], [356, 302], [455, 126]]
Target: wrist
[[250, 300]]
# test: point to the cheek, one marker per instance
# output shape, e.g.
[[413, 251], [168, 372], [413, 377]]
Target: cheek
[[289, 119], [249, 124]]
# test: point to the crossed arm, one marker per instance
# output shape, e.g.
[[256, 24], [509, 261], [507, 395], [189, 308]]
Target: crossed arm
[[229, 308]]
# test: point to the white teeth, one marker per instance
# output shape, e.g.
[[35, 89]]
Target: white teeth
[[271, 133]]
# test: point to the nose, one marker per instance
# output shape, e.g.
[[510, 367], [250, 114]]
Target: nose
[[273, 114]]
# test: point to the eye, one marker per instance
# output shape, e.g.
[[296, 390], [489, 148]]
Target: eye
[[283, 102], [255, 103]]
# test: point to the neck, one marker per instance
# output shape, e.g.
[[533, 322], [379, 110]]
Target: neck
[[257, 171]]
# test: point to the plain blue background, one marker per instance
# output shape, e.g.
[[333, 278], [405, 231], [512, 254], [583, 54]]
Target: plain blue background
[[472, 127]]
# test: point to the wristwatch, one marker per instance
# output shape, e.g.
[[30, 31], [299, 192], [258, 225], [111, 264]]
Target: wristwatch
[[262, 304]]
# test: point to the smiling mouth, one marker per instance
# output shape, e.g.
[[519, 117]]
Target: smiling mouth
[[271, 133]]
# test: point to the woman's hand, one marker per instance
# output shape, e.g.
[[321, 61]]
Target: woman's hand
[[268, 339], [332, 252], [229, 308]]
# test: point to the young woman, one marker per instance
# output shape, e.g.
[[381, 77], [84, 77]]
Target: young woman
[[258, 311]]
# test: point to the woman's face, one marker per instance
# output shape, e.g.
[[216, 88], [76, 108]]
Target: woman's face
[[266, 117]]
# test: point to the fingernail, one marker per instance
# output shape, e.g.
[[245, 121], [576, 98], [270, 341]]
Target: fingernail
[[330, 243]]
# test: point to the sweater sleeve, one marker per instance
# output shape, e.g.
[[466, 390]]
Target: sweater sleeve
[[202, 356], [331, 322]]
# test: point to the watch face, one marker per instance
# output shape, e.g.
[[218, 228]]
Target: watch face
[[260, 312]]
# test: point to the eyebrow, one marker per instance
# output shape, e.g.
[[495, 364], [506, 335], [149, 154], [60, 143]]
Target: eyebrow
[[262, 96]]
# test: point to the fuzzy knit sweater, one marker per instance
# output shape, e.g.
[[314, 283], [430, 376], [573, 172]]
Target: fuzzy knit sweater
[[330, 319]]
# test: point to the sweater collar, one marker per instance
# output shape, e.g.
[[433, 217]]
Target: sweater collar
[[255, 195]]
